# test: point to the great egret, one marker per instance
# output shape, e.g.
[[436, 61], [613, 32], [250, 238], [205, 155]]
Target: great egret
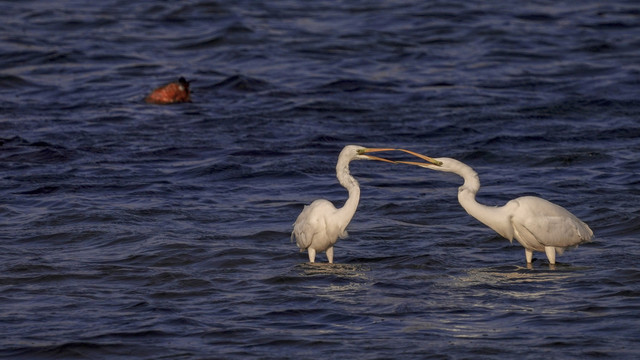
[[537, 224], [320, 224]]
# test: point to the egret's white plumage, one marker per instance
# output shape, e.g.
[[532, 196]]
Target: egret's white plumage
[[537, 224], [320, 224]]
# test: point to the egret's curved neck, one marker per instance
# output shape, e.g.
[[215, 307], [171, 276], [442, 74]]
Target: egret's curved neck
[[347, 211], [491, 216]]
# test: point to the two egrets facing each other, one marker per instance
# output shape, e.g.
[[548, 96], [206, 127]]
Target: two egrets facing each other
[[537, 224]]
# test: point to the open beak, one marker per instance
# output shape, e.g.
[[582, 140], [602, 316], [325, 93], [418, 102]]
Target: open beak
[[368, 150], [423, 157]]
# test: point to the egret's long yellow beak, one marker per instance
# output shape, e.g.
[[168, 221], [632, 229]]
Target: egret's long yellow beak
[[424, 157], [368, 150]]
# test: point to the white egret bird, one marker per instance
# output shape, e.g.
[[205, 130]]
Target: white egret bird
[[320, 224], [537, 224]]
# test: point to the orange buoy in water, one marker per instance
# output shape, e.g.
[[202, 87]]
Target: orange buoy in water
[[175, 92]]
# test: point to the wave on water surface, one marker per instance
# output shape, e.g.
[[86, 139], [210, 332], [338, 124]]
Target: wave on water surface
[[131, 230]]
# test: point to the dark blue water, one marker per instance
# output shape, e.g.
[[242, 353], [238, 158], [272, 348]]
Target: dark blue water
[[136, 231]]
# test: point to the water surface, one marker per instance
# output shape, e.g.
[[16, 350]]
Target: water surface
[[133, 231]]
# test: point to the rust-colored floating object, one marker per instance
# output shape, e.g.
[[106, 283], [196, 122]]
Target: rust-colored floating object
[[175, 92]]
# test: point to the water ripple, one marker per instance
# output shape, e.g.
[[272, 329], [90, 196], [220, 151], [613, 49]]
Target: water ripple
[[139, 231]]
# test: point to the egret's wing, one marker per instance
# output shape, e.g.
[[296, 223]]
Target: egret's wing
[[542, 223], [303, 239], [303, 233], [303, 228], [558, 231], [312, 223], [526, 237]]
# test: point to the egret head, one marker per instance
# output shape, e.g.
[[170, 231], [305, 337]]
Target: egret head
[[356, 152]]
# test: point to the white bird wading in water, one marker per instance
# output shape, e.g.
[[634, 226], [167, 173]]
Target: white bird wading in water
[[320, 224], [537, 224]]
